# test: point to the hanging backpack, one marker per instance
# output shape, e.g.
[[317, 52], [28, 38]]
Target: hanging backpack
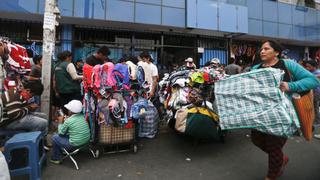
[[119, 78], [107, 78], [123, 69], [140, 75]]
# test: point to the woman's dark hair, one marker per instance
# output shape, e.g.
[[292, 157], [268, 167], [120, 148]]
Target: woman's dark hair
[[63, 55], [36, 59], [35, 87], [257, 58], [275, 45], [313, 63]]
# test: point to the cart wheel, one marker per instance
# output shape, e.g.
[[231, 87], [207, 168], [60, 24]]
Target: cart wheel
[[135, 148]]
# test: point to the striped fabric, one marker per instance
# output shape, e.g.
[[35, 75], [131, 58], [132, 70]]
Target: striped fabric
[[14, 108], [149, 123], [254, 100]]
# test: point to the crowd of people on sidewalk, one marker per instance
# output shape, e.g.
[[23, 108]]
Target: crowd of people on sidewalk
[[21, 91]]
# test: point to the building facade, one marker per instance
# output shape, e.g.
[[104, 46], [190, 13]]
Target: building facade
[[169, 29]]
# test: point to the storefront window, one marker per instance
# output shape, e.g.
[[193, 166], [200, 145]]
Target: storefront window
[[29, 6]]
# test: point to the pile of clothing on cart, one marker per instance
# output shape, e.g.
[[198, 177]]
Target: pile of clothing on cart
[[188, 97], [115, 96]]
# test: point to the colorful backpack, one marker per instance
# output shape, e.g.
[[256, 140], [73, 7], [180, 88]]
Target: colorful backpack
[[140, 75], [119, 78], [123, 69]]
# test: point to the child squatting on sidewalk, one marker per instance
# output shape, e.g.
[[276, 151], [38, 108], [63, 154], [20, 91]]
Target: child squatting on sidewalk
[[73, 131]]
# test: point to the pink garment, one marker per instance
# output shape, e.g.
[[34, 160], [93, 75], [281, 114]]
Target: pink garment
[[107, 77], [97, 76]]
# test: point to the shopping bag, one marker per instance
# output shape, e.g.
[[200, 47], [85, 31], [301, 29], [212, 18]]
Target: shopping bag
[[305, 110], [181, 120]]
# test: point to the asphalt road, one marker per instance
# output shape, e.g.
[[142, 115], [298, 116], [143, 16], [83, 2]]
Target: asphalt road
[[172, 157]]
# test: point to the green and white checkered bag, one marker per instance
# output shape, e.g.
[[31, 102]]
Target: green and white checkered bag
[[254, 100]]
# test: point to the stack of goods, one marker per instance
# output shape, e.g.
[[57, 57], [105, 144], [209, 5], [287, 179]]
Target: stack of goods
[[188, 98], [254, 100], [110, 96]]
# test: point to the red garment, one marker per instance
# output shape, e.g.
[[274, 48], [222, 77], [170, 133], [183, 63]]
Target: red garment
[[206, 77], [18, 59], [272, 145], [129, 125], [87, 77]]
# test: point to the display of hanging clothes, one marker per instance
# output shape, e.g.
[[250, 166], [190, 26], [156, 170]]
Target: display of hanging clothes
[[18, 59], [90, 114]]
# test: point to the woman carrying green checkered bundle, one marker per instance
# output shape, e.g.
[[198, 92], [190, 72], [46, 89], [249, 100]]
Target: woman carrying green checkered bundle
[[303, 81]]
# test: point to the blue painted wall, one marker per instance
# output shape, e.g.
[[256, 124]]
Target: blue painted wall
[[280, 20], [66, 37], [264, 17], [213, 53], [216, 15]]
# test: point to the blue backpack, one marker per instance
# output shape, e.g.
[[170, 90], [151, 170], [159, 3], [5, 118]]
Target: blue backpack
[[140, 75], [119, 78]]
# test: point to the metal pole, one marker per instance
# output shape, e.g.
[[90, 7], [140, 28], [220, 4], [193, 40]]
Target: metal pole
[[49, 38]]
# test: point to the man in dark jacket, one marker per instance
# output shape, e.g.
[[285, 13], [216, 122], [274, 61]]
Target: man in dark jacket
[[100, 57]]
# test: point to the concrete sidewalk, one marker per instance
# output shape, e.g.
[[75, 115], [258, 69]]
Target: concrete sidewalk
[[173, 157]]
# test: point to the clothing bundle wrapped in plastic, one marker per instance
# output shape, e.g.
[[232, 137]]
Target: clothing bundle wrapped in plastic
[[254, 100]]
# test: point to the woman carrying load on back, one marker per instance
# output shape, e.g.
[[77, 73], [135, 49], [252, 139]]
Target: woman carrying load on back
[[303, 81]]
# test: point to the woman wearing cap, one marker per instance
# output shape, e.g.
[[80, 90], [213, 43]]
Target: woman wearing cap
[[303, 81], [73, 131]]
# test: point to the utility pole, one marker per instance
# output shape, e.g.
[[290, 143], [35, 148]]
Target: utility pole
[[49, 40]]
